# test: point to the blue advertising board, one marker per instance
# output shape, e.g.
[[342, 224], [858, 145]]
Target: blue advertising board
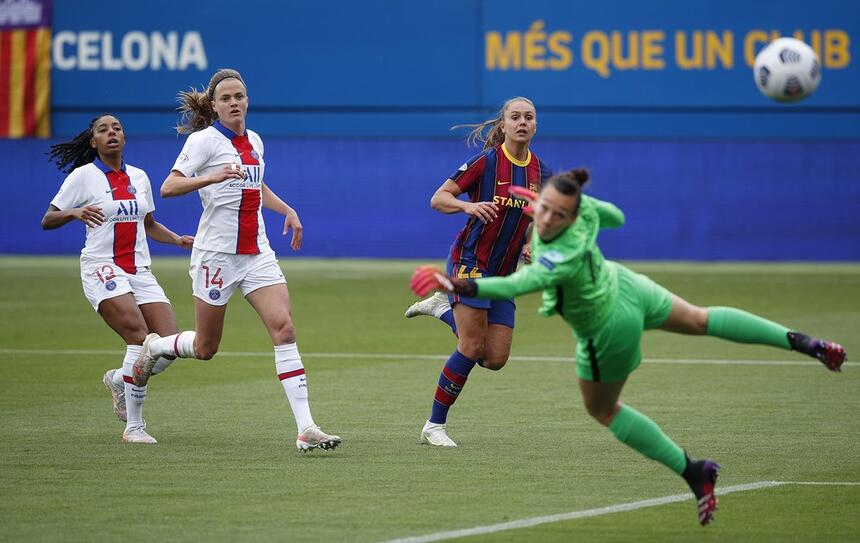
[[672, 53], [367, 198], [355, 101], [619, 68]]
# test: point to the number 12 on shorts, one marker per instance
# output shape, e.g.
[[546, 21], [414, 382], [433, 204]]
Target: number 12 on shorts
[[213, 279]]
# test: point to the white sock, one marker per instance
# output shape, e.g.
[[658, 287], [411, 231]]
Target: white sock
[[180, 345], [162, 364], [117, 376], [134, 395], [291, 372]]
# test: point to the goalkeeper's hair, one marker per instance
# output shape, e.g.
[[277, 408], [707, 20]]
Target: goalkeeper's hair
[[570, 183], [195, 107], [77, 151], [490, 132]]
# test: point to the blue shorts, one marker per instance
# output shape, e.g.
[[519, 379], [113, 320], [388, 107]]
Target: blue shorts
[[498, 311]]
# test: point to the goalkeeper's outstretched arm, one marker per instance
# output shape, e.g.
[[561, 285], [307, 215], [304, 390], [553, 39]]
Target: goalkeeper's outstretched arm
[[527, 279]]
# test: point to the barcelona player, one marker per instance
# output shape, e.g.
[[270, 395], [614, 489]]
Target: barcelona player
[[114, 200], [224, 162], [489, 245], [608, 307]]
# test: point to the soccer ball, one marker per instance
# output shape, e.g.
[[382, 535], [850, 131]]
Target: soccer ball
[[787, 70]]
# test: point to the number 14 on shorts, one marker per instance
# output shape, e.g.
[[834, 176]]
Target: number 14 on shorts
[[213, 279]]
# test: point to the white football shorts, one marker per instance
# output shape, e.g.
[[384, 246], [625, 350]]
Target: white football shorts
[[215, 275], [103, 279]]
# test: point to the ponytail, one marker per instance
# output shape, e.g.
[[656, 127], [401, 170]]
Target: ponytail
[[195, 111], [195, 107], [494, 136]]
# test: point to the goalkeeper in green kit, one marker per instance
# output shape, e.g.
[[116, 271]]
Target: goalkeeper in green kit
[[608, 307]]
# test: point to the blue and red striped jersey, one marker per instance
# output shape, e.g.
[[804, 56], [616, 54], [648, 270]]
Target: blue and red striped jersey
[[494, 248]]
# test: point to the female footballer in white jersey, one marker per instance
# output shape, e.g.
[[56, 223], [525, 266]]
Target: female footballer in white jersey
[[223, 162], [114, 201]]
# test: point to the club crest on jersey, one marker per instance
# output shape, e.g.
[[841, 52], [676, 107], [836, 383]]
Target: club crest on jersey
[[131, 189], [255, 154], [214, 294], [110, 285]]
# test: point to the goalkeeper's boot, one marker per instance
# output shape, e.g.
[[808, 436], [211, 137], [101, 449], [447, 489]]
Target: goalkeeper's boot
[[117, 392], [314, 438], [831, 354], [137, 434], [436, 435], [434, 306], [701, 475], [142, 368]]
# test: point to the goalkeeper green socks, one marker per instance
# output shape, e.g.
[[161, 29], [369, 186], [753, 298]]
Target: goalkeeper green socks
[[736, 325], [642, 434]]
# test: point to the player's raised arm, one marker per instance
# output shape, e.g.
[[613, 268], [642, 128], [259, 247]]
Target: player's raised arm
[[427, 279]]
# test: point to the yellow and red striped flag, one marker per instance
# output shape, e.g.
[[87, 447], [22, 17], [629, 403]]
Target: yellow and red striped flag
[[25, 68]]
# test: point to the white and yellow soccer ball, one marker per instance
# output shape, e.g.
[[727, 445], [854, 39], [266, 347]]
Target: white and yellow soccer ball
[[787, 70]]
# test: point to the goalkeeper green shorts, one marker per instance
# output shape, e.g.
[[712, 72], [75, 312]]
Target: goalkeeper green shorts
[[613, 352]]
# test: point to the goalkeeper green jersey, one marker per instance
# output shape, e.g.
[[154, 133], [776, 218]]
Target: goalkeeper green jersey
[[577, 282]]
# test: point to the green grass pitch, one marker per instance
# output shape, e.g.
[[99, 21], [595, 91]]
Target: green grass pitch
[[226, 468]]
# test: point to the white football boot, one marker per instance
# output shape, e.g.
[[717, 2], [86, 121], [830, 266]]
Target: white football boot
[[137, 435], [434, 306], [142, 368], [314, 438], [117, 392], [435, 434]]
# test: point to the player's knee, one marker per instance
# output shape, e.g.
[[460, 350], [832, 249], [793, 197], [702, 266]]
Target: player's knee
[[205, 350], [601, 413], [494, 363], [134, 333], [698, 321], [284, 333], [471, 349]]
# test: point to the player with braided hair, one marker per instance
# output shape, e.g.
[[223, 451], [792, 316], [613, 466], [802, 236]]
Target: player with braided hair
[[114, 200], [608, 307]]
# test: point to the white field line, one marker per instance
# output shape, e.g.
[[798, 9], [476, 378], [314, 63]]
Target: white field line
[[436, 357], [599, 511]]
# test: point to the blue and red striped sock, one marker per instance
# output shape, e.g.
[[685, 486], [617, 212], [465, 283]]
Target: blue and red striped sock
[[451, 382]]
